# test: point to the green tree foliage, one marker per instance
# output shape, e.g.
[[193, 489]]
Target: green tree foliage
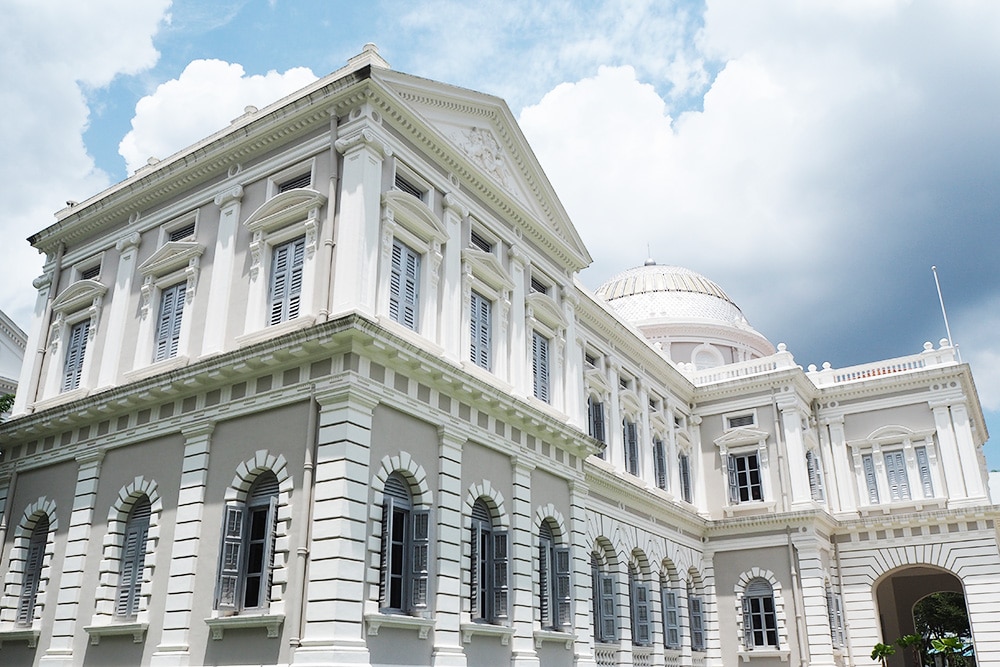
[[6, 403], [942, 615], [882, 652]]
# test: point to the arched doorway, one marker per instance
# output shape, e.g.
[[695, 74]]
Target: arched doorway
[[896, 595]]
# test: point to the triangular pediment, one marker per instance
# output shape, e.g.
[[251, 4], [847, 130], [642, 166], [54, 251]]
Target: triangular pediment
[[172, 256], [477, 139]]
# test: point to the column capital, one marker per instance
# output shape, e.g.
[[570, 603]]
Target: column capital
[[365, 138], [228, 195], [128, 242], [198, 430]]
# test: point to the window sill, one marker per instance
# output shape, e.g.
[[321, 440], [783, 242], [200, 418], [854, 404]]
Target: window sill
[[903, 506], [542, 636], [271, 622], [764, 652], [59, 399], [29, 635], [275, 330], [375, 622], [504, 632], [137, 630], [750, 507], [157, 367]]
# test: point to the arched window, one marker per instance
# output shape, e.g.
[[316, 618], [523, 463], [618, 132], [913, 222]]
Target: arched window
[[405, 549], [32, 571], [488, 572], [554, 594], [247, 552], [132, 560], [760, 623]]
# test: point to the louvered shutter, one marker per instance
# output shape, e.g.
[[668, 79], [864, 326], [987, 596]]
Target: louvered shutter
[[475, 570], [32, 573], [267, 579], [419, 553], [411, 288], [168, 326], [133, 560], [500, 575], [544, 584], [599, 421], [815, 476], [747, 623], [609, 627], [734, 483], [563, 590], [895, 467], [395, 280], [383, 572], [870, 480], [684, 469], [925, 472], [298, 252], [642, 630], [632, 447], [540, 365], [480, 335], [671, 624], [660, 463], [287, 261], [838, 610], [227, 588], [697, 624], [75, 352]]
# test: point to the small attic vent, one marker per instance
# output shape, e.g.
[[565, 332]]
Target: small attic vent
[[477, 241], [181, 233], [741, 420], [91, 272], [300, 181], [407, 187], [538, 286]]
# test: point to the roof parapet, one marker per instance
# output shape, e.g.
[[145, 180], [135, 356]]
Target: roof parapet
[[928, 358]]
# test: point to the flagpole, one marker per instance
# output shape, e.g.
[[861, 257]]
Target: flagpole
[[944, 313]]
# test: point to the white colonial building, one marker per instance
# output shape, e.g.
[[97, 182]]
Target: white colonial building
[[323, 389]]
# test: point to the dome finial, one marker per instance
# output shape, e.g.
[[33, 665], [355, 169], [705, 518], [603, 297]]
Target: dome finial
[[649, 257]]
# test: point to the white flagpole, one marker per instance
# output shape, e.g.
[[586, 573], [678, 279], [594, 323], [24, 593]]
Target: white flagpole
[[947, 329]]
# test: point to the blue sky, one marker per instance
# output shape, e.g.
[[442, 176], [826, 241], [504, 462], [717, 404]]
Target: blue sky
[[815, 159]]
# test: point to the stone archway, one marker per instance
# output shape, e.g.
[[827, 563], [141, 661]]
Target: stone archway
[[897, 592]]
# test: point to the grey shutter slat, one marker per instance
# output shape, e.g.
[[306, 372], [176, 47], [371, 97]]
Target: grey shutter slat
[[869, 466], [609, 628], [230, 557], [697, 624], [75, 352], [599, 421], [671, 625], [684, 469], [411, 291], [895, 466], [540, 365], [480, 311], [132, 562], [642, 629], [475, 566], [298, 253], [287, 261], [925, 471], [544, 584], [501, 576], [563, 589], [32, 573], [747, 623], [660, 461], [269, 541], [815, 476], [383, 573], [734, 484], [168, 331], [395, 280], [632, 447], [419, 556]]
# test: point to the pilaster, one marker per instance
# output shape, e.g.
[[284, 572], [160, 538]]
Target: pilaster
[[60, 651], [520, 351], [219, 292], [453, 303], [448, 650], [582, 618], [333, 632], [34, 350], [174, 648], [522, 559], [791, 425], [967, 454], [949, 452], [812, 580], [119, 314]]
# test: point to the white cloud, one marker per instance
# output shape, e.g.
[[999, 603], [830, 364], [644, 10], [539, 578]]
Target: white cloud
[[205, 98], [49, 52]]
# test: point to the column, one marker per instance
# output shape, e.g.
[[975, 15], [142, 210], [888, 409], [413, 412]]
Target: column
[[798, 474], [831, 474], [949, 453], [356, 237], [582, 617], [574, 397], [453, 302], [710, 613], [845, 486], [64, 625], [615, 451], [520, 350], [120, 315], [34, 351], [812, 577], [223, 265], [448, 649], [336, 589], [967, 454], [647, 470], [522, 532], [174, 649]]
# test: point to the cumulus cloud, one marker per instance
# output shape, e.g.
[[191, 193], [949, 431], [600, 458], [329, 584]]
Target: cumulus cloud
[[51, 53], [206, 96]]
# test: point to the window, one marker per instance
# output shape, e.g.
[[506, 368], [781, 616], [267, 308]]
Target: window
[[489, 567], [815, 475], [32, 571], [76, 348], [744, 478], [696, 616], [480, 317], [540, 365], [925, 471], [554, 592], [303, 180], [639, 598], [246, 556], [480, 242], [895, 471], [630, 434], [404, 285], [538, 286], [741, 420], [91, 272], [406, 186], [405, 550], [684, 473], [870, 480], [133, 559], [835, 611], [660, 463], [168, 325], [183, 233], [760, 624], [595, 418], [285, 291], [671, 616], [603, 582]]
